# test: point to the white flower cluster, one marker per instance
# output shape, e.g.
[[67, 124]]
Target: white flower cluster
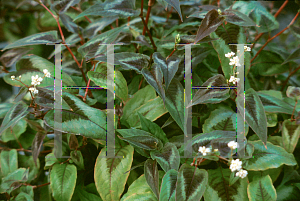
[[236, 165], [205, 150], [14, 77], [248, 49], [234, 79], [233, 145], [235, 61], [47, 73], [36, 80], [229, 54], [33, 90]]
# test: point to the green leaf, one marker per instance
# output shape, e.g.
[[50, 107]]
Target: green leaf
[[129, 60], [82, 119], [261, 189], [273, 173], [14, 132], [99, 77], [109, 174], [83, 192], [273, 157], [23, 196], [92, 48], [152, 128], [63, 180], [12, 56], [151, 175], [294, 56], [140, 138], [269, 67], [176, 5], [69, 24], [36, 39], [28, 162], [15, 114], [119, 8], [139, 190], [62, 6], [50, 160], [218, 186], [77, 158], [191, 183], [221, 119], [168, 186], [9, 162], [254, 113], [265, 20], [290, 135], [271, 119], [93, 28], [275, 105], [168, 158], [211, 95], [238, 18], [232, 179], [169, 67], [175, 102], [209, 24], [155, 79], [14, 180]]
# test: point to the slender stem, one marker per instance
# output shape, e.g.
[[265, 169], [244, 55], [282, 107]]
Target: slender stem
[[171, 53], [270, 39], [290, 75], [150, 3], [141, 82], [276, 14], [38, 186], [168, 14]]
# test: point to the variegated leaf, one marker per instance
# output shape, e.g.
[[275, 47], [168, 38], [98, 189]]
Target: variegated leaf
[[290, 135], [261, 189]]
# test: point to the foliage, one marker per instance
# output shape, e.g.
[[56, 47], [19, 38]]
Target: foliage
[[167, 144]]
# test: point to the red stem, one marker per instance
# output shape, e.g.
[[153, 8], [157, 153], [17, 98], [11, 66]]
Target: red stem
[[270, 39]]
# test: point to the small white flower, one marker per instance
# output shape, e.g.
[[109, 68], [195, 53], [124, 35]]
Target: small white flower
[[47, 73], [215, 150], [235, 165], [13, 77], [36, 80], [248, 49], [33, 90], [235, 61], [204, 150], [233, 145], [234, 80], [229, 54], [242, 173], [20, 76]]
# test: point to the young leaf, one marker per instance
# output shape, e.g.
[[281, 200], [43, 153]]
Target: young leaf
[[119, 8], [152, 128], [139, 190], [63, 180], [290, 135], [175, 102], [168, 185], [37, 144], [175, 4], [109, 174], [169, 67], [155, 79], [209, 24], [261, 189], [294, 56], [36, 39], [191, 183], [218, 186], [254, 113], [263, 158], [293, 92], [14, 180], [8, 161], [77, 158], [168, 158], [151, 175], [15, 114], [210, 94], [232, 178]]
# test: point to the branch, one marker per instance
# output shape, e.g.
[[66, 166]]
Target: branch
[[290, 75], [270, 39], [150, 4]]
